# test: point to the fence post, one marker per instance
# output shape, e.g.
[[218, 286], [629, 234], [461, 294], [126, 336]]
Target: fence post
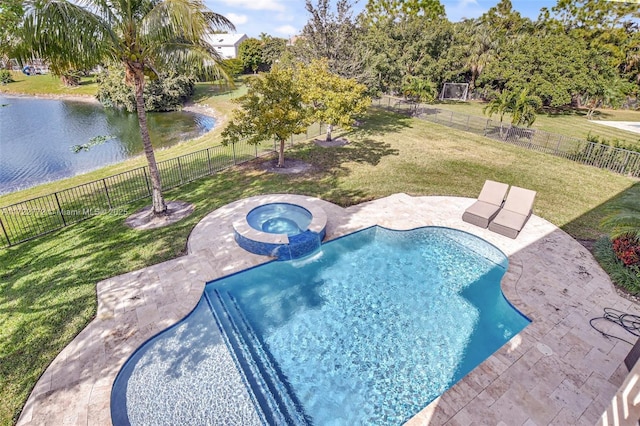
[[209, 160], [626, 163], [558, 144], [486, 127], [64, 222], [106, 191], [256, 145], [451, 119], [180, 170], [468, 118], [233, 148], [146, 180], [4, 231]]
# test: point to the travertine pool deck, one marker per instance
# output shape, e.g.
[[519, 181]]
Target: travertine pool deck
[[558, 370]]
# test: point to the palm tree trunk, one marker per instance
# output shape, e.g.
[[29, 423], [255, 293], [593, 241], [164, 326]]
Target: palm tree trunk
[[281, 154], [159, 206]]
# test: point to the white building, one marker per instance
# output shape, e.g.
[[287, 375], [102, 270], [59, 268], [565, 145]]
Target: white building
[[226, 44]]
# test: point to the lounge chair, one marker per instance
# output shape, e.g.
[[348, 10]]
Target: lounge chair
[[489, 202], [514, 214]]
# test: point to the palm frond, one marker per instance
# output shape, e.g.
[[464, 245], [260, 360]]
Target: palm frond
[[624, 215], [63, 32]]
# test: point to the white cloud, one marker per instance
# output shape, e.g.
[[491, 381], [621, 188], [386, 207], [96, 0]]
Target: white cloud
[[256, 4], [237, 19], [463, 9], [287, 30]]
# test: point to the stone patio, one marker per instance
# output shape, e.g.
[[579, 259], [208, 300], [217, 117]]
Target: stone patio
[[558, 370]]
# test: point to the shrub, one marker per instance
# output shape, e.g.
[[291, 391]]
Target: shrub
[[5, 77], [623, 276], [233, 67], [166, 93], [627, 249]]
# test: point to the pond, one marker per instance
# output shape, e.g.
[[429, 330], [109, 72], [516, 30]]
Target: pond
[[37, 136]]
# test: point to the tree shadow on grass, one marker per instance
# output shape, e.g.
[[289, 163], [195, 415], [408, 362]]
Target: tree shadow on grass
[[380, 122]]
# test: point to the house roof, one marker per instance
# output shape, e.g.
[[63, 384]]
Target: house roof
[[225, 39]]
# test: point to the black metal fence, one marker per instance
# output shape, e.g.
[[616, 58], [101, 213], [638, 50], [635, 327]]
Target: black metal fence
[[617, 160], [32, 218]]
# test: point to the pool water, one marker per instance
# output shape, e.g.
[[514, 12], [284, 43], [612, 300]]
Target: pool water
[[368, 330], [280, 218]]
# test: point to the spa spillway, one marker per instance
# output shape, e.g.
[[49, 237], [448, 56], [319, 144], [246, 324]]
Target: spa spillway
[[282, 230]]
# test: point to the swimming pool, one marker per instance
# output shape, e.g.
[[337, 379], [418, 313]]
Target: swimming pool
[[368, 330]]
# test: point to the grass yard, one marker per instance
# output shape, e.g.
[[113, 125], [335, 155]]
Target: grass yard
[[568, 122], [48, 84], [47, 286]]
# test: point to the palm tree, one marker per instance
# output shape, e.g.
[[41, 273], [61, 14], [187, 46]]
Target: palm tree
[[499, 105], [145, 36], [482, 50], [623, 216], [524, 108], [520, 105]]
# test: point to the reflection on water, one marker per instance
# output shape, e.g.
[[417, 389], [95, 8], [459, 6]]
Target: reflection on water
[[36, 136]]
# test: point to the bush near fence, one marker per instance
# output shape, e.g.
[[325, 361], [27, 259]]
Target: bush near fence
[[617, 160], [32, 218]]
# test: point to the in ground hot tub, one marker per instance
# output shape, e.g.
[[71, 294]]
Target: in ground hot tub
[[280, 218], [282, 230]]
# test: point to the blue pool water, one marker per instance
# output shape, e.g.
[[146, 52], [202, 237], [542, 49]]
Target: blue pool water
[[368, 330], [280, 218]]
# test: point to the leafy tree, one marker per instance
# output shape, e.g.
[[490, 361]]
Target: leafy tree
[[609, 27], [166, 93], [553, 66], [142, 35], [233, 67], [591, 15], [333, 99], [418, 90], [418, 46], [271, 109], [272, 49], [395, 9], [250, 53], [331, 33], [611, 93], [11, 13]]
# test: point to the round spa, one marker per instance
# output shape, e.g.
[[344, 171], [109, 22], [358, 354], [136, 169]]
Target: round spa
[[282, 230]]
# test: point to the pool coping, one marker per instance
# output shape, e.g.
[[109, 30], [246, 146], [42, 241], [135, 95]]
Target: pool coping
[[557, 370], [241, 224]]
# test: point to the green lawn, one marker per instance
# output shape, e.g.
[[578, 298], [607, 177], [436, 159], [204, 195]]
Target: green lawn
[[47, 286], [48, 85], [566, 122]]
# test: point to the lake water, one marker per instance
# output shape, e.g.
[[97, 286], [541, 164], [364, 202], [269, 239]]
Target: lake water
[[37, 136]]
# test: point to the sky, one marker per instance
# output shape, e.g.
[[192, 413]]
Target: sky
[[285, 18]]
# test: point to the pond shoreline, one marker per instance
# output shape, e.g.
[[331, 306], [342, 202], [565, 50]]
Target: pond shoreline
[[89, 101], [188, 106]]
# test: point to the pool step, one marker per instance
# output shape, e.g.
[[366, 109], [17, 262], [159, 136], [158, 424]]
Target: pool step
[[270, 392]]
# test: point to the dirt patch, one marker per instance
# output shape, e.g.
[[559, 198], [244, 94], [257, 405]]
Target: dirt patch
[[290, 167], [145, 219], [588, 244], [332, 143]]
